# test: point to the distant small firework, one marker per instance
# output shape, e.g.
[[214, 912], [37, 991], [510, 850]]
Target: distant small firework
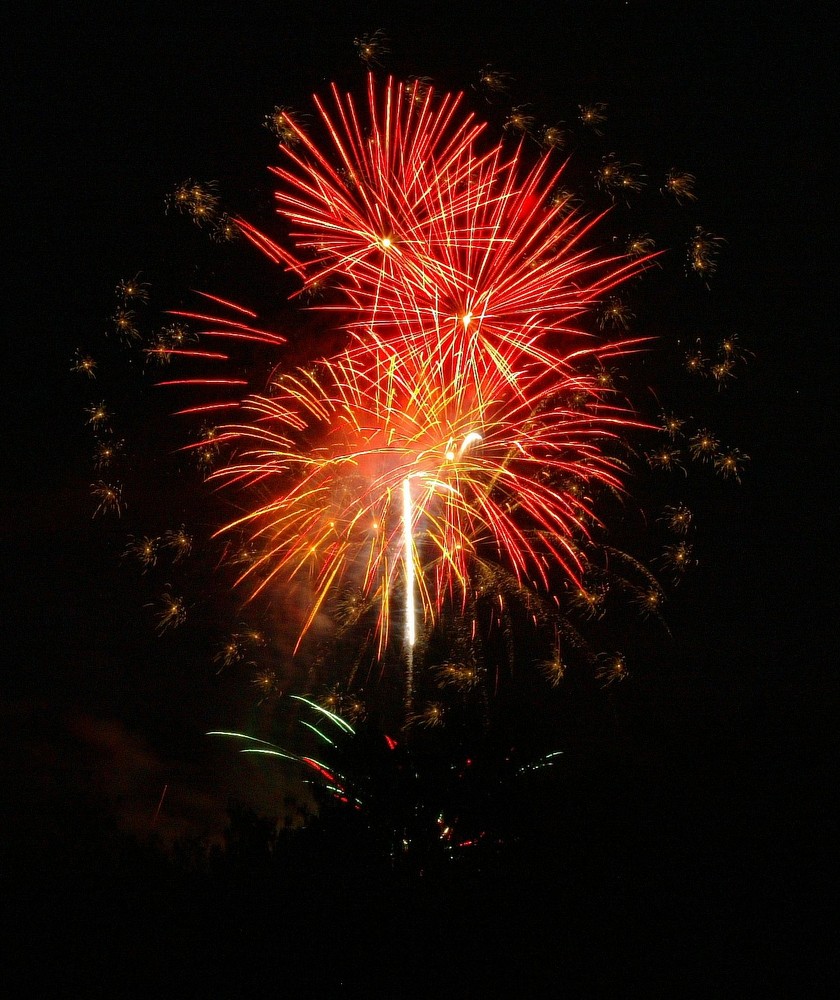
[[593, 116], [109, 497], [372, 47], [681, 185], [198, 199], [84, 364]]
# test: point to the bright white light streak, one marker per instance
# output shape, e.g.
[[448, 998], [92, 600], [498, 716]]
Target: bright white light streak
[[408, 546]]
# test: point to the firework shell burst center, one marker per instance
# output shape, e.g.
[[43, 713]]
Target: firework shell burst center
[[447, 429]]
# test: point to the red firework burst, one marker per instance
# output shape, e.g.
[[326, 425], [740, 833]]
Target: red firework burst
[[464, 420]]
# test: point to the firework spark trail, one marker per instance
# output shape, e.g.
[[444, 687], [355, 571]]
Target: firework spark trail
[[464, 398], [408, 557]]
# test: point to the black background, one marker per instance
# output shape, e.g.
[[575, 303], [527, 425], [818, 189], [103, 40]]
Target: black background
[[107, 109]]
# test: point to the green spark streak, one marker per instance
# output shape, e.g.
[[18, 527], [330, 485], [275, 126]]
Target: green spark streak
[[271, 753], [336, 719], [317, 732]]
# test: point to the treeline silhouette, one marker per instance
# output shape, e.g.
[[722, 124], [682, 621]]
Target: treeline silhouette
[[619, 866]]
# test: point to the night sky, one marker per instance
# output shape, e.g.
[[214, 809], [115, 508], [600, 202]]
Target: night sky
[[109, 108]]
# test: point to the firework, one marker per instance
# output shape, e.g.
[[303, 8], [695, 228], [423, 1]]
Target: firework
[[704, 446], [278, 123], [196, 199], [437, 469], [143, 550], [105, 451], [554, 137], [132, 290], [642, 245], [372, 47], [109, 497], [84, 364], [519, 121], [179, 541], [125, 324], [730, 463], [467, 393], [593, 115], [172, 612], [681, 185], [678, 518], [703, 251], [494, 81], [616, 178], [98, 416]]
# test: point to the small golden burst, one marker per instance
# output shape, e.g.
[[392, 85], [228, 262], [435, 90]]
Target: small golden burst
[[518, 120], [144, 550], [197, 199], [430, 716], [678, 559], [179, 541], [494, 81], [372, 47], [280, 122], [704, 446], [665, 458], [554, 137], [83, 364], [640, 246], [109, 496], [650, 601], [703, 251], [98, 415], [672, 425], [730, 464], [132, 290], [124, 322], [554, 669], [611, 668], [593, 115], [615, 314], [105, 451], [681, 185], [172, 613], [678, 518], [696, 363]]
